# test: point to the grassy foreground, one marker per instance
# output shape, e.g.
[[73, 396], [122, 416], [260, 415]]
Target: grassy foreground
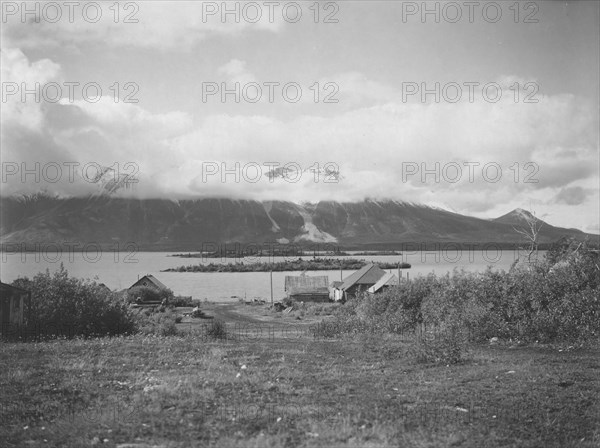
[[262, 391]]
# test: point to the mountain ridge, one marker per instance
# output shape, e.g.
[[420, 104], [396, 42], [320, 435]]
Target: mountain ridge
[[186, 224]]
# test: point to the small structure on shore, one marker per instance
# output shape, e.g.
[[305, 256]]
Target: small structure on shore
[[150, 281], [361, 280], [384, 283], [12, 305], [333, 288], [148, 298], [303, 288]]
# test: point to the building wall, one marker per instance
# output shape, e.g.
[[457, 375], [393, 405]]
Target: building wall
[[354, 290], [310, 297], [11, 309], [145, 283]]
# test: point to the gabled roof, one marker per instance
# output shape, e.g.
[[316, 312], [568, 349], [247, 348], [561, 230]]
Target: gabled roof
[[388, 279], [303, 284], [152, 279], [367, 275], [5, 287]]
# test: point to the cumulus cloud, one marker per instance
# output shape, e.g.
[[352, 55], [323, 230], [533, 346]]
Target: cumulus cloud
[[139, 24], [593, 228], [571, 196], [478, 157], [236, 71], [18, 76]]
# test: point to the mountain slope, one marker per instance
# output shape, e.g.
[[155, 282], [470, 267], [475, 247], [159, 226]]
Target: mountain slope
[[187, 224]]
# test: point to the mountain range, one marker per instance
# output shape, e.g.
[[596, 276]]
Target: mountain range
[[162, 224]]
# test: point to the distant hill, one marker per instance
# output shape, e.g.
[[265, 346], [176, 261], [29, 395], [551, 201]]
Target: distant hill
[[160, 224]]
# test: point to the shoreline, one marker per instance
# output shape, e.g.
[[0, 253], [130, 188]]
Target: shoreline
[[316, 264]]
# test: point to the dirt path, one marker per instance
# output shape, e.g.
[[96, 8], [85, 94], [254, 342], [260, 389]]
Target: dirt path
[[229, 312], [254, 315]]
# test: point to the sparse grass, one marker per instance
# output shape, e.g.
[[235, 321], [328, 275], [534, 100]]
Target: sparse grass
[[366, 390]]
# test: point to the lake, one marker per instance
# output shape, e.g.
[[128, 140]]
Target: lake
[[121, 270]]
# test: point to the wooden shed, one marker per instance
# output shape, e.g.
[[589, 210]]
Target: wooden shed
[[361, 280], [13, 301], [150, 281], [303, 288]]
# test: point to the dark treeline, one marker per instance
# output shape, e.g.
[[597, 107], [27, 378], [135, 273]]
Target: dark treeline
[[315, 264]]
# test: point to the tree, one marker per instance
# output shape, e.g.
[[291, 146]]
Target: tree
[[530, 230], [67, 306]]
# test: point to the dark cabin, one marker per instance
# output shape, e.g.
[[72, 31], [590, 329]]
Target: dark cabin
[[150, 281], [13, 301], [361, 280]]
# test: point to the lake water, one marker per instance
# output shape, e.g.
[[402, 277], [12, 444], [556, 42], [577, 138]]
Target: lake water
[[121, 270]]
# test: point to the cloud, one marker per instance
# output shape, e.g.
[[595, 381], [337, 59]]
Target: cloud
[[235, 71], [19, 75], [372, 144], [571, 196], [593, 228], [139, 25]]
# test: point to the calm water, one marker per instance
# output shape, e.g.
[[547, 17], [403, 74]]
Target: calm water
[[120, 270]]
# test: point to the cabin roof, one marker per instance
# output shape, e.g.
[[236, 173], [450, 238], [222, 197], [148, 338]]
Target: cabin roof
[[5, 287], [152, 279], [388, 279], [367, 275]]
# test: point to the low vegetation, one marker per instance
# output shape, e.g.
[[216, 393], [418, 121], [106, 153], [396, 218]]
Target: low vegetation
[[187, 391], [161, 322], [67, 307], [315, 264], [493, 359], [552, 300]]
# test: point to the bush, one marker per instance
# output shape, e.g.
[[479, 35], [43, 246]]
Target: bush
[[66, 306], [445, 343], [160, 324], [216, 330], [556, 299], [182, 301]]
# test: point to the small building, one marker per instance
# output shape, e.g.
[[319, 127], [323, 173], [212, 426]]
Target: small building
[[13, 301], [303, 288], [384, 283], [334, 290], [358, 281], [150, 281]]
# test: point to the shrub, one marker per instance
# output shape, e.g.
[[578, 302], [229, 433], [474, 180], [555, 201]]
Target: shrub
[[397, 309], [160, 324], [66, 306], [445, 343], [556, 299], [216, 330], [181, 301]]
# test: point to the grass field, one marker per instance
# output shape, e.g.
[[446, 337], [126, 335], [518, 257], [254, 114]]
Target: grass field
[[273, 390]]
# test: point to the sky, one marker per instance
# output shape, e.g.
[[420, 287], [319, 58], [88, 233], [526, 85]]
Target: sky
[[474, 107]]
